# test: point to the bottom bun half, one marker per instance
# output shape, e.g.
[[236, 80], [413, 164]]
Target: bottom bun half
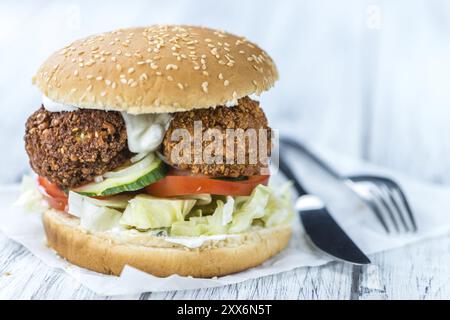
[[109, 252]]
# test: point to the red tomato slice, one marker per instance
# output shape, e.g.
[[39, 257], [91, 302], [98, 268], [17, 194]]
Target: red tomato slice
[[56, 198], [174, 185], [51, 189], [57, 203]]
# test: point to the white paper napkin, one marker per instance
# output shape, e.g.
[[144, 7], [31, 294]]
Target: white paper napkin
[[426, 200]]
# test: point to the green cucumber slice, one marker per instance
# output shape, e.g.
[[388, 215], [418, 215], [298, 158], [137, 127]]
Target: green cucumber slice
[[135, 177]]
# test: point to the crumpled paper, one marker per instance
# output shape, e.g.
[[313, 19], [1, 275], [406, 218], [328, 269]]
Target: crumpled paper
[[426, 201]]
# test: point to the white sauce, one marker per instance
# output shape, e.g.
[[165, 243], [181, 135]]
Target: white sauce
[[197, 242], [52, 106], [145, 132]]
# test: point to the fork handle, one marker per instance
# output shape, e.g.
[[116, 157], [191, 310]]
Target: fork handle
[[296, 145]]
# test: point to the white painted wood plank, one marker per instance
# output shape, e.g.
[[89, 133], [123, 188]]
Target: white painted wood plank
[[22, 276], [328, 282], [419, 271]]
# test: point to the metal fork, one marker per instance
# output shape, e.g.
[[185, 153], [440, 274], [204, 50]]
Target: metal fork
[[383, 195]]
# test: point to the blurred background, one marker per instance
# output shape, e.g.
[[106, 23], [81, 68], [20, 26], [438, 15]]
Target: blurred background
[[369, 79]]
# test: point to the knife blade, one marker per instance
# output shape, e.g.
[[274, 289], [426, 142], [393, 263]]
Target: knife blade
[[327, 235], [319, 225]]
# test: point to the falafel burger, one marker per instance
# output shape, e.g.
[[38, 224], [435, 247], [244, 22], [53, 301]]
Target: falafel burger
[[150, 151]]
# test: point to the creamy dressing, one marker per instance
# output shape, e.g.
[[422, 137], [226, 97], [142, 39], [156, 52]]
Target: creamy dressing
[[197, 242], [188, 242], [145, 132], [52, 106]]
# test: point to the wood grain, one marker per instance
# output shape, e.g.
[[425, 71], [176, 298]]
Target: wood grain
[[379, 94]]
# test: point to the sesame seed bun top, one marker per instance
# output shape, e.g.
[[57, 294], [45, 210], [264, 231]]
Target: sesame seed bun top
[[156, 69]]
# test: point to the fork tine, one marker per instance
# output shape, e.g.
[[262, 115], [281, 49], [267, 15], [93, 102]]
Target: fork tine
[[392, 192], [407, 207], [378, 195], [379, 216]]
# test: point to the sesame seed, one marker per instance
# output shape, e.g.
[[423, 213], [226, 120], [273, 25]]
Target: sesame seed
[[89, 76], [113, 85], [234, 94], [89, 88], [170, 78], [130, 70], [196, 67], [118, 67], [220, 76], [75, 73], [171, 67], [99, 78], [73, 90], [103, 93], [154, 66], [123, 80], [133, 84], [143, 77], [180, 86], [205, 87], [108, 82], [226, 83], [205, 73]]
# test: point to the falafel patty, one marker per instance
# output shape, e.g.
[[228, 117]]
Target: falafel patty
[[72, 148], [246, 115]]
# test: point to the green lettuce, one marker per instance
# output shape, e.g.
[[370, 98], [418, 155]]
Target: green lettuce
[[146, 212], [265, 207], [31, 199], [94, 214]]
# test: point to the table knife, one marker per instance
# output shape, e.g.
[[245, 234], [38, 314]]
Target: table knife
[[319, 225]]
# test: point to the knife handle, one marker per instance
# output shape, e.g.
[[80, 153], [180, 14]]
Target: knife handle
[[298, 146]]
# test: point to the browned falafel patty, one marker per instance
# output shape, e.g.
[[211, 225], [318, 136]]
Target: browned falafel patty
[[246, 115], [72, 148]]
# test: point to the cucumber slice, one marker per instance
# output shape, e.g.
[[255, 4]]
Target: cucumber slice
[[135, 177]]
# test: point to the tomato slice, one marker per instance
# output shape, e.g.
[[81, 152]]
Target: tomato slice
[[178, 185], [56, 198], [59, 204], [51, 189]]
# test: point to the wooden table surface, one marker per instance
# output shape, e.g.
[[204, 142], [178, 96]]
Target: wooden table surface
[[364, 86], [420, 271]]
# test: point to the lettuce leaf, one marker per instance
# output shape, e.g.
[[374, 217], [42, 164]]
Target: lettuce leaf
[[94, 214], [265, 207], [31, 199], [279, 208], [146, 212], [217, 223], [253, 208]]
